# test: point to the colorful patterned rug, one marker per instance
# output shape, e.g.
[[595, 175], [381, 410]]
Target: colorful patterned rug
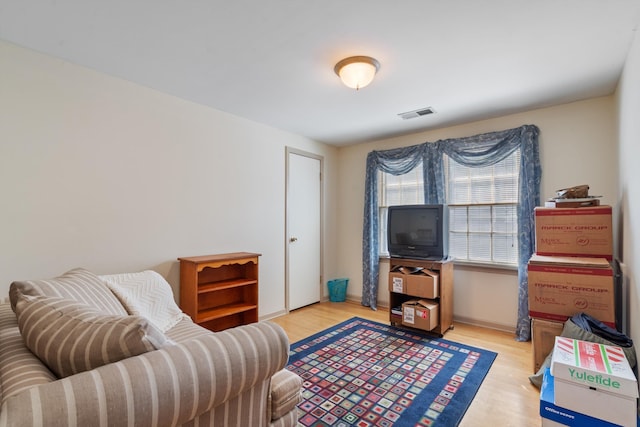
[[364, 373]]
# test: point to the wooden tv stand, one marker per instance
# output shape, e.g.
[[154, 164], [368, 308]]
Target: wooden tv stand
[[445, 293]]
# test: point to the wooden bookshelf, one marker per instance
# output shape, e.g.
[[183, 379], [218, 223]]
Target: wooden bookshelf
[[220, 291]]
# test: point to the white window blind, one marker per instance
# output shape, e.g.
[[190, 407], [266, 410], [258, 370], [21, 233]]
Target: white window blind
[[396, 190], [483, 222], [483, 225]]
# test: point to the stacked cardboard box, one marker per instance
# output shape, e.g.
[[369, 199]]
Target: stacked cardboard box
[[560, 287], [418, 282], [570, 272], [543, 336], [421, 313], [589, 384], [582, 232]]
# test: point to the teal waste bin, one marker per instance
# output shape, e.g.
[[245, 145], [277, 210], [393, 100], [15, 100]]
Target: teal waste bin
[[337, 290]]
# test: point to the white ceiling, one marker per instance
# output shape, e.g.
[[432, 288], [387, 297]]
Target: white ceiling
[[272, 61]]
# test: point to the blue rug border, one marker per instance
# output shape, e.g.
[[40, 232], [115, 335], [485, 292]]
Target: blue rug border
[[488, 358], [424, 335]]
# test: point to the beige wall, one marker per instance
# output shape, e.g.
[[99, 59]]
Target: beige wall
[[628, 220], [100, 173], [577, 146], [111, 176]]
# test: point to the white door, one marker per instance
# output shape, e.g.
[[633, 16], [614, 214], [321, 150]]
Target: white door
[[303, 238]]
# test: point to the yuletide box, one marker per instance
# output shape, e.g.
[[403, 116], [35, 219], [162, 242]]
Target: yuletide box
[[594, 379], [556, 416]]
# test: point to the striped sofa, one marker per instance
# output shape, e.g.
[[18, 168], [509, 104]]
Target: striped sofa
[[71, 354]]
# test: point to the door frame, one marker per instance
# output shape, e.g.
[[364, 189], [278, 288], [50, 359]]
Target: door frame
[[288, 152]]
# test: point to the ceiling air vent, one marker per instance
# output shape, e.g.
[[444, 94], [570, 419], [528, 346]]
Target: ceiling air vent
[[417, 113]]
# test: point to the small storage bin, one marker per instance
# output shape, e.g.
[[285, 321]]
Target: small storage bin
[[337, 290]]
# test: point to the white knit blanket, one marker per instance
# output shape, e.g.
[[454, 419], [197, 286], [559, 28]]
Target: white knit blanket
[[146, 294]]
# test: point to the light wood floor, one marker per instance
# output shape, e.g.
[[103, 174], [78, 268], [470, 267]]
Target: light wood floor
[[506, 398]]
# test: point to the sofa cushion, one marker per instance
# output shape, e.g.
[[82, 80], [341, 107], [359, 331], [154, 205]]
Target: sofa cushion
[[78, 284], [186, 330], [71, 337]]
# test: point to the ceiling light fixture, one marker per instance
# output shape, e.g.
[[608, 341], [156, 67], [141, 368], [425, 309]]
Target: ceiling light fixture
[[357, 71]]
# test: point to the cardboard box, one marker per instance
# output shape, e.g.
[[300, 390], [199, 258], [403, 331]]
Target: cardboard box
[[543, 338], [556, 416], [423, 283], [414, 281], [594, 379], [574, 232], [560, 287], [420, 314]]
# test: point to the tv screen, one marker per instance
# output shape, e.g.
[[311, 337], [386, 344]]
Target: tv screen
[[418, 231]]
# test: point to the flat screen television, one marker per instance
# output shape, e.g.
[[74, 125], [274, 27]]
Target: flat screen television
[[418, 231]]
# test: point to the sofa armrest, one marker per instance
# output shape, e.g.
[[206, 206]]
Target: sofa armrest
[[286, 393], [165, 387]]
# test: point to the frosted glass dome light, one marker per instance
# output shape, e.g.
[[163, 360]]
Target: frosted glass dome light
[[357, 71]]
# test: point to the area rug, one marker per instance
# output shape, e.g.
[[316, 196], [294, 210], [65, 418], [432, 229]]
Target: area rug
[[364, 373]]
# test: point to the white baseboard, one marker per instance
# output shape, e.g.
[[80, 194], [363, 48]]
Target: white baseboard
[[482, 323], [349, 298], [273, 315]]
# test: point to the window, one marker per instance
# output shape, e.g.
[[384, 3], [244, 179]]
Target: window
[[395, 190], [483, 220]]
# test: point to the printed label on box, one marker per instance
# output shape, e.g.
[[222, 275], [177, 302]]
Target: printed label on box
[[397, 284], [408, 315]]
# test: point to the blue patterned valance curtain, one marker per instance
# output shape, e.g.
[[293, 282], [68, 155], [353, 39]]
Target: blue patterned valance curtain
[[474, 151]]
